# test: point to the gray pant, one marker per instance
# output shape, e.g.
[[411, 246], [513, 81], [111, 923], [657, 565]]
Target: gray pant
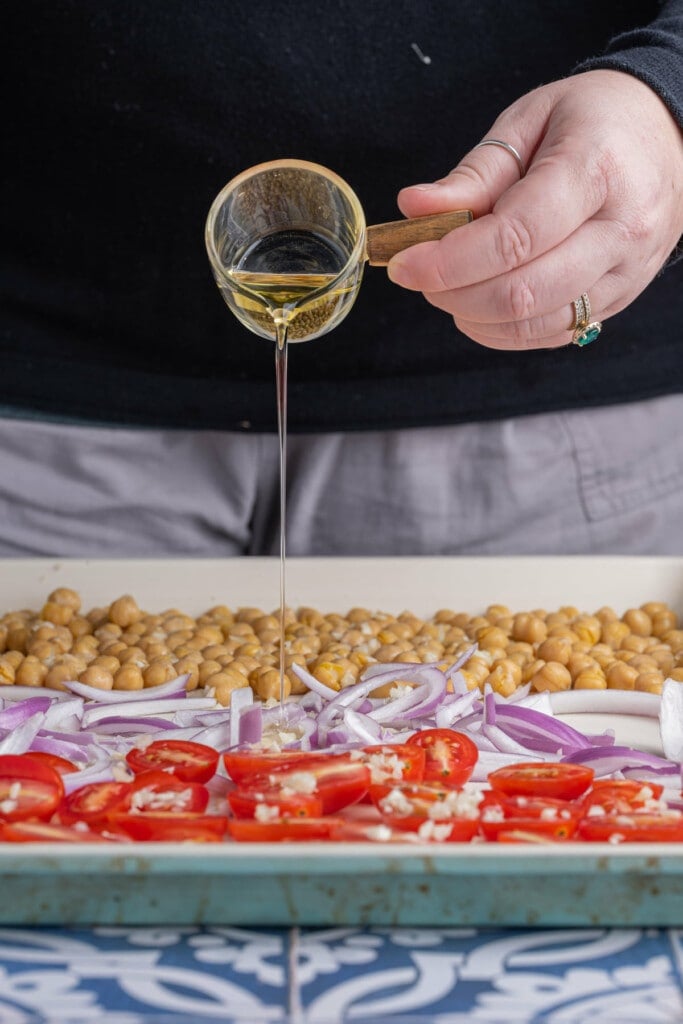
[[605, 480]]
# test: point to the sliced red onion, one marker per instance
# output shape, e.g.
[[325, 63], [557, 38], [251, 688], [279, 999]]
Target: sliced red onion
[[421, 700], [489, 761], [95, 713], [362, 727], [312, 683], [100, 771], [606, 760], [216, 736], [64, 714], [62, 748], [250, 726], [503, 742], [19, 740], [16, 714], [448, 714], [12, 693], [239, 700], [119, 725], [173, 688], [671, 719], [540, 731], [459, 662]]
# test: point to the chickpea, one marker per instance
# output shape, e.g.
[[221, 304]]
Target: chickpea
[[478, 666], [67, 597], [675, 673], [603, 654], [31, 672], [663, 621], [531, 669], [268, 684], [490, 637], [643, 663], [672, 637], [555, 648], [663, 657], [159, 671], [555, 619], [461, 621], [638, 621], [17, 638], [472, 682], [128, 677], [588, 628], [621, 676], [69, 670], [505, 676], [650, 682], [606, 614], [60, 614], [97, 676], [189, 667], [133, 654], [79, 626], [7, 671], [180, 636], [591, 679], [224, 684], [553, 676], [124, 611], [614, 633], [633, 642], [579, 663], [441, 615], [497, 611], [13, 658], [85, 645], [114, 649], [529, 628]]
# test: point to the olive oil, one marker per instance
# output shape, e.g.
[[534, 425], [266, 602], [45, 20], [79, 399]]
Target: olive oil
[[289, 277]]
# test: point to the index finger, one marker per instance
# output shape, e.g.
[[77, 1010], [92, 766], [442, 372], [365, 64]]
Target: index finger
[[529, 219]]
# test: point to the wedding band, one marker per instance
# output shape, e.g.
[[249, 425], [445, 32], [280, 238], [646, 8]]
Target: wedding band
[[584, 331], [509, 148]]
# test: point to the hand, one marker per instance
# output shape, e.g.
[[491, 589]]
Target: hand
[[599, 211]]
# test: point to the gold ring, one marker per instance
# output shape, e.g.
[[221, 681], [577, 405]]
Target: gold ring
[[510, 149], [584, 330]]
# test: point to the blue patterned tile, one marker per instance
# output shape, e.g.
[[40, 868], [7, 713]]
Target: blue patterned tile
[[143, 975], [453, 976]]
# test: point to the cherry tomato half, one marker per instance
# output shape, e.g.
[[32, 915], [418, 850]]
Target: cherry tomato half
[[562, 781], [45, 832], [556, 828], [248, 830], [28, 788], [245, 799], [190, 762], [339, 780], [450, 755], [94, 802], [637, 827], [159, 827], [60, 764], [159, 791], [245, 764], [619, 796], [395, 762]]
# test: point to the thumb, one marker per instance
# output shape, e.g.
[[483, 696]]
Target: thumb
[[488, 170]]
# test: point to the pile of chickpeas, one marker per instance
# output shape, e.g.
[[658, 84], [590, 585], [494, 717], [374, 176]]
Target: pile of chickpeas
[[122, 647]]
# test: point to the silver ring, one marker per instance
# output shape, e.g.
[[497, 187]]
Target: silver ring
[[509, 148]]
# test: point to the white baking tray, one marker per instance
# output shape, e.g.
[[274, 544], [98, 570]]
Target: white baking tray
[[324, 884]]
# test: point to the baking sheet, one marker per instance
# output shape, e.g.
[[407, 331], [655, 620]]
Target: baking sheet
[[326, 884]]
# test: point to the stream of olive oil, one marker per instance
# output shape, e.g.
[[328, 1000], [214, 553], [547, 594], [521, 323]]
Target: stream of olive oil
[[288, 271]]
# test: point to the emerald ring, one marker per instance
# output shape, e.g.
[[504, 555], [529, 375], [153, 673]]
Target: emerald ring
[[584, 330]]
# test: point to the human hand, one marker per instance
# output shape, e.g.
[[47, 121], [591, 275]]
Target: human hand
[[599, 211]]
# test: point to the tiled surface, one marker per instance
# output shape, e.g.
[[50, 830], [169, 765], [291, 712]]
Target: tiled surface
[[335, 976]]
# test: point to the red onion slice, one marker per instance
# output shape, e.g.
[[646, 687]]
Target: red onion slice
[[671, 719], [173, 688], [15, 715]]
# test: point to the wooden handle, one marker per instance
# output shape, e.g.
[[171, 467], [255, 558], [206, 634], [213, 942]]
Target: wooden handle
[[385, 240]]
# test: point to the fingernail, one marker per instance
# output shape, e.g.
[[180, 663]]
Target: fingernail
[[427, 186], [398, 272]]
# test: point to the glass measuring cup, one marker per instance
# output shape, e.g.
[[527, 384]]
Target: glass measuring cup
[[287, 243]]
